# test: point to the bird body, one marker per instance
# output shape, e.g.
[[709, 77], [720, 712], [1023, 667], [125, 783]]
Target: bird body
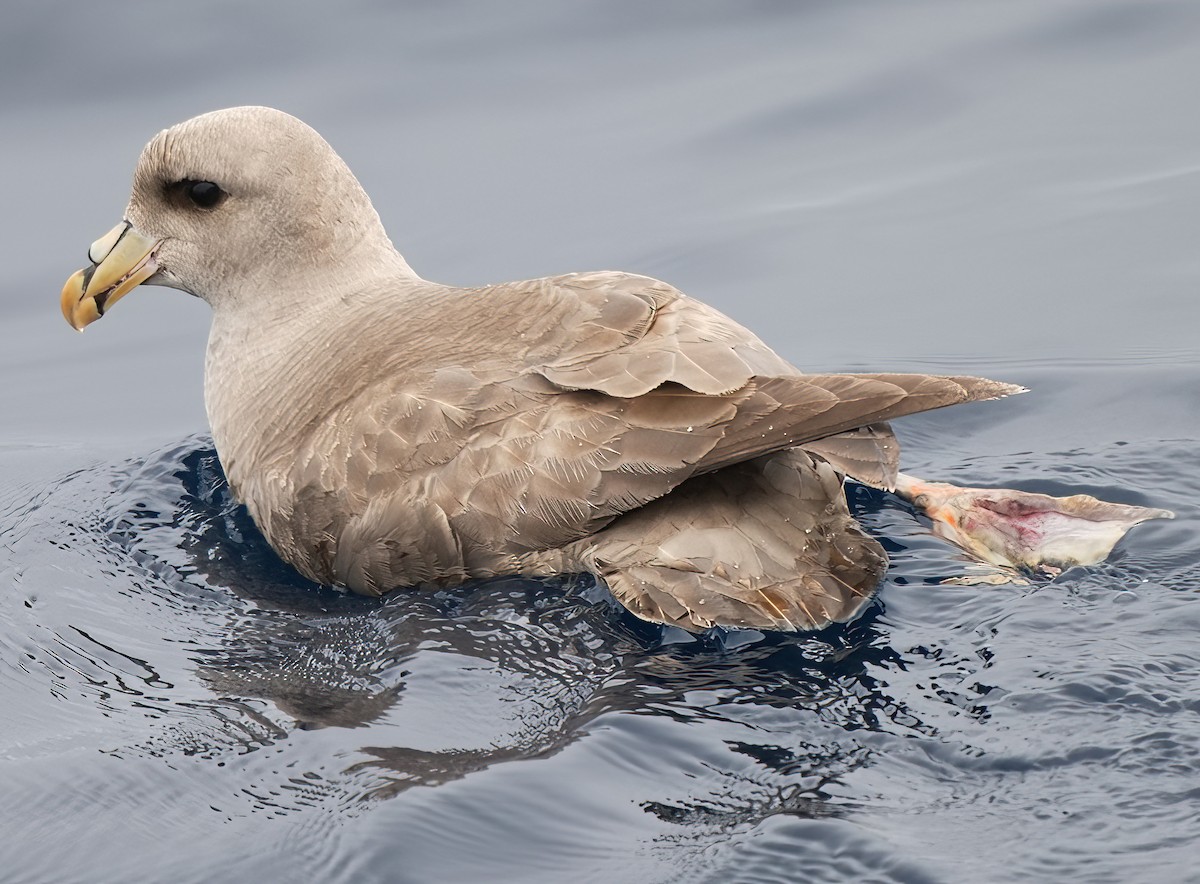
[[385, 431]]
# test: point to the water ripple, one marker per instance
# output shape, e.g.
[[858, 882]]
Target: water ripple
[[148, 624]]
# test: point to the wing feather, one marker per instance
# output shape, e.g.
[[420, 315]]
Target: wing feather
[[619, 390]]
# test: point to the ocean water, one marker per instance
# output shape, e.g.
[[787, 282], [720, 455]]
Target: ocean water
[[1004, 188]]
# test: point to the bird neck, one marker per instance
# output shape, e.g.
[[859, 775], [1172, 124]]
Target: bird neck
[[269, 352]]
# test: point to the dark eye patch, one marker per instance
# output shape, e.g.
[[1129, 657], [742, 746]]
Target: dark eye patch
[[200, 194]]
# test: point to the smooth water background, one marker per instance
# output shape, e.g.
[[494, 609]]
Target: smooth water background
[[1006, 188]]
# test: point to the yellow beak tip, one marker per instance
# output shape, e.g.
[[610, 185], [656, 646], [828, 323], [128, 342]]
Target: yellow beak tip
[[78, 309], [126, 260]]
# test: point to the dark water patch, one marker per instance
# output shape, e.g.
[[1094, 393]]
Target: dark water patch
[[158, 653]]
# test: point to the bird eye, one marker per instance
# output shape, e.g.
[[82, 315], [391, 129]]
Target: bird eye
[[204, 193], [200, 194]]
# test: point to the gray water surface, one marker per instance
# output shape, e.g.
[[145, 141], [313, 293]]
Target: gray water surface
[[1000, 188]]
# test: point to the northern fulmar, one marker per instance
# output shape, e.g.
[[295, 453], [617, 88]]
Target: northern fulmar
[[385, 431]]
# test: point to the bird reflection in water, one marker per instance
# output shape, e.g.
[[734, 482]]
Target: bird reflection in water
[[529, 666]]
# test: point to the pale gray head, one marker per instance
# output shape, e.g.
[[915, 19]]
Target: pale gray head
[[247, 202]]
